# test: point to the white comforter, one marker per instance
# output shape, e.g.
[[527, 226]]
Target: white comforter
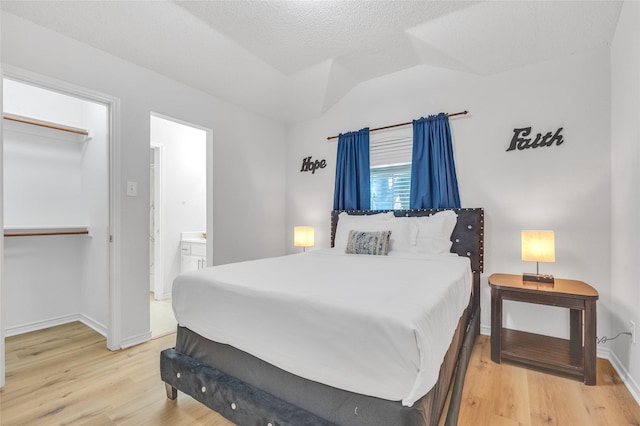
[[374, 325]]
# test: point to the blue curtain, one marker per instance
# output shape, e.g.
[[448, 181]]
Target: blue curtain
[[433, 172], [352, 190]]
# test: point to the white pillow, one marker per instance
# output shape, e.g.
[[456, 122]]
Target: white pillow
[[432, 234], [400, 234], [348, 222], [400, 229]]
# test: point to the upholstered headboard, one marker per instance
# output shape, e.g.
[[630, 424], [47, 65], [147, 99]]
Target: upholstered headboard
[[467, 236]]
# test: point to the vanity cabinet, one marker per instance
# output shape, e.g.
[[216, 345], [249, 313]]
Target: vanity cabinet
[[194, 255]]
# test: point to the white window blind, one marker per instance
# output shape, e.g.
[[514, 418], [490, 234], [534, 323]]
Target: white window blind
[[390, 151], [390, 163]]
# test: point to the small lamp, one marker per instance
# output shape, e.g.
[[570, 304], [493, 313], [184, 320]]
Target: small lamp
[[303, 236], [538, 246]]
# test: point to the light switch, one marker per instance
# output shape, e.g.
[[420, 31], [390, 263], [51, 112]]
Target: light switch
[[132, 189]]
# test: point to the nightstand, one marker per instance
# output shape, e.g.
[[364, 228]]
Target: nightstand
[[575, 357]]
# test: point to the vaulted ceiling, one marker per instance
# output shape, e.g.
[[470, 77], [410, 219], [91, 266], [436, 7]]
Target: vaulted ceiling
[[293, 60]]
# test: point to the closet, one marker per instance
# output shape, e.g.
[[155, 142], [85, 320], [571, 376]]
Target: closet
[[56, 209]]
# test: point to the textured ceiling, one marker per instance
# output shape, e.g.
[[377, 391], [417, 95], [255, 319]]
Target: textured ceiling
[[294, 35], [292, 60]]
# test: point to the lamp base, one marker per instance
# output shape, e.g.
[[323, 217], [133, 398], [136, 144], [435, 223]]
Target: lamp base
[[538, 278]]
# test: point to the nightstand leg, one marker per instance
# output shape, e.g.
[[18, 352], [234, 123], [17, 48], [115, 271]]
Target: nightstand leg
[[590, 342], [496, 325], [575, 333]]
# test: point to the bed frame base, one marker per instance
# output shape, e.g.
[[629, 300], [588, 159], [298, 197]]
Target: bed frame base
[[235, 400], [461, 370], [244, 404]]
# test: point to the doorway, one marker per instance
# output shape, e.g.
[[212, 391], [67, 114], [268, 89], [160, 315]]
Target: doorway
[[177, 210], [56, 166]]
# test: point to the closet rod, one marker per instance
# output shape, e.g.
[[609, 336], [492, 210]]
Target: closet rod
[[46, 233], [453, 114], [42, 123]]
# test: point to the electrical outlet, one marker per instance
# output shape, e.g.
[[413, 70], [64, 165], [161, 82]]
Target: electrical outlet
[[632, 325]]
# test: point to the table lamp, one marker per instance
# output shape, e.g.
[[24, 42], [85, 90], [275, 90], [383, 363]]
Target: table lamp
[[538, 246], [303, 236]]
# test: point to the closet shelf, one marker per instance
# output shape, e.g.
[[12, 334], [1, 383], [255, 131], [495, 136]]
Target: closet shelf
[[45, 230], [47, 124]]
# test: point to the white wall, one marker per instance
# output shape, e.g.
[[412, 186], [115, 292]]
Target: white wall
[[565, 188], [247, 218], [625, 139], [43, 166], [184, 194], [42, 282], [95, 193], [53, 179]]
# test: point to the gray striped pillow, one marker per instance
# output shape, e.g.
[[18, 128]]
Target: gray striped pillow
[[376, 243]]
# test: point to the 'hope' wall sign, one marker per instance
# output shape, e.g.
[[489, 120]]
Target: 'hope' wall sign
[[311, 166], [520, 142]]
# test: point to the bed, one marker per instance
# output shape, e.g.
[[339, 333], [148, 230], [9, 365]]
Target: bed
[[268, 342]]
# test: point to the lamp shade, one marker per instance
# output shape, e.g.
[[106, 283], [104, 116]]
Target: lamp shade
[[303, 236], [538, 246]]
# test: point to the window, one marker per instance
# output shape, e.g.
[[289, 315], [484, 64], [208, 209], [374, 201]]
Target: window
[[390, 186], [390, 164]]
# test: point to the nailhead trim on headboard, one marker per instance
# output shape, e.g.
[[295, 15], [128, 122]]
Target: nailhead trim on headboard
[[467, 236]]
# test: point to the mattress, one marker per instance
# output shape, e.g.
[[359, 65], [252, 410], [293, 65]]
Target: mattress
[[373, 325]]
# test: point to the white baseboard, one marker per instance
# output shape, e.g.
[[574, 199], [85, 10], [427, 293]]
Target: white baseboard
[[626, 378], [65, 319], [52, 322], [135, 340], [485, 330], [39, 325], [607, 354], [93, 324], [163, 297]]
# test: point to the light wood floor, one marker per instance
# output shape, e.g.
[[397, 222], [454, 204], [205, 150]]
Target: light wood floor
[[66, 376]]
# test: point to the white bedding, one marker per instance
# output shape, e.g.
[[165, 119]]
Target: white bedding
[[374, 325]]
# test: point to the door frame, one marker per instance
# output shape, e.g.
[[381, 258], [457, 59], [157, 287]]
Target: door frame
[[209, 177], [114, 333], [158, 249]]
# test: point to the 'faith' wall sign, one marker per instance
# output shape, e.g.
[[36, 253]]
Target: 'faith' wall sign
[[520, 142], [311, 166]]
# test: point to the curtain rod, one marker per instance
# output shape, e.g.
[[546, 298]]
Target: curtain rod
[[465, 112]]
